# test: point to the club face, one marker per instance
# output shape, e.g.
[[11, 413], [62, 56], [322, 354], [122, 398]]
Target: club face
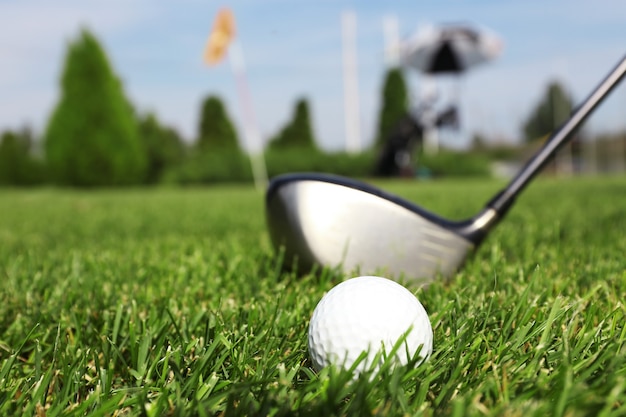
[[319, 221]]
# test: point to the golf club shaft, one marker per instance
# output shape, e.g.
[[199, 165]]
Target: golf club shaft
[[503, 200]]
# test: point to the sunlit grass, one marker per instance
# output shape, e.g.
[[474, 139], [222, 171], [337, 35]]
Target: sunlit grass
[[171, 302]]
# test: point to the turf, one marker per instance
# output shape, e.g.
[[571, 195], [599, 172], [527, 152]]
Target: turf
[[171, 302]]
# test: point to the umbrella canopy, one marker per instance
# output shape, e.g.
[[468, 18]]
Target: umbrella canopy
[[449, 49]]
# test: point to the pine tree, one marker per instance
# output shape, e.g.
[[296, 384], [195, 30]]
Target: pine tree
[[395, 102], [92, 137], [298, 133], [552, 110], [216, 131]]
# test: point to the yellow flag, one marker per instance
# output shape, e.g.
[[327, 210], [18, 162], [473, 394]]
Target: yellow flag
[[220, 37]]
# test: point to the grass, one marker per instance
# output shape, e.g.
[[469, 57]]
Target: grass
[[171, 302]]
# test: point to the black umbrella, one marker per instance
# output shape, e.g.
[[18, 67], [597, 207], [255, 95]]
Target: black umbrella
[[450, 49]]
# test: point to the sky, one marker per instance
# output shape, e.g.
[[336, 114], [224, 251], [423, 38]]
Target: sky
[[293, 49]]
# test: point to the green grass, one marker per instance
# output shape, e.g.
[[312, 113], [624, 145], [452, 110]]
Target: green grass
[[171, 302]]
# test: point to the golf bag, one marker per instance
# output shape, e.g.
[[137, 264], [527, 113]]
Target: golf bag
[[396, 158]]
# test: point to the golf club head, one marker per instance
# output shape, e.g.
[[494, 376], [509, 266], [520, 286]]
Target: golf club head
[[337, 222]]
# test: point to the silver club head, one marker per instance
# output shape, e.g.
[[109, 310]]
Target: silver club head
[[337, 222]]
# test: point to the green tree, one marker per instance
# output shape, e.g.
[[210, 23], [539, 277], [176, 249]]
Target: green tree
[[298, 133], [163, 145], [216, 131], [552, 110], [395, 103], [92, 137], [18, 166]]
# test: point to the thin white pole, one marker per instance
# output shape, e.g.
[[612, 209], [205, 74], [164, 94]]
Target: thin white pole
[[391, 33], [351, 82]]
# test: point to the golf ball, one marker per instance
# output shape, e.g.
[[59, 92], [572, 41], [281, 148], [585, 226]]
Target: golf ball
[[367, 314]]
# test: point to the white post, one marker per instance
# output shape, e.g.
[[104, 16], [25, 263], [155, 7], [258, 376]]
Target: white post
[[391, 33], [350, 82]]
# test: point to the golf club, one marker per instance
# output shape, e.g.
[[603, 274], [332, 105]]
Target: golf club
[[334, 221]]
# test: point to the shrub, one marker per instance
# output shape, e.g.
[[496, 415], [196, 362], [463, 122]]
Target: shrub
[[448, 163], [17, 164], [296, 160], [223, 165], [232, 166], [163, 146]]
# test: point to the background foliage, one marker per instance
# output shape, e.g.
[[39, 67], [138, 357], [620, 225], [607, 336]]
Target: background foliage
[[92, 137], [394, 103], [95, 138], [298, 132], [216, 131], [553, 109], [18, 165], [163, 146]]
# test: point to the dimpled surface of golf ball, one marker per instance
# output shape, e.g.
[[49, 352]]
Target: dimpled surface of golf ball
[[367, 314]]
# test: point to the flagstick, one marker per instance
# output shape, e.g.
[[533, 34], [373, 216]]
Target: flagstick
[[251, 132]]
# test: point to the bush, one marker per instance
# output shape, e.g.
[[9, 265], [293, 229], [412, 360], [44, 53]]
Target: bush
[[233, 166], [294, 160], [163, 147], [17, 164], [455, 164], [224, 165], [501, 153]]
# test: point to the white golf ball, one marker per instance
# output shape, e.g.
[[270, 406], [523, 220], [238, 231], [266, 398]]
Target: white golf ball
[[367, 314]]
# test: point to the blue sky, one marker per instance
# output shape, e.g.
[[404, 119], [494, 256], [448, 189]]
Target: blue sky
[[293, 49]]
